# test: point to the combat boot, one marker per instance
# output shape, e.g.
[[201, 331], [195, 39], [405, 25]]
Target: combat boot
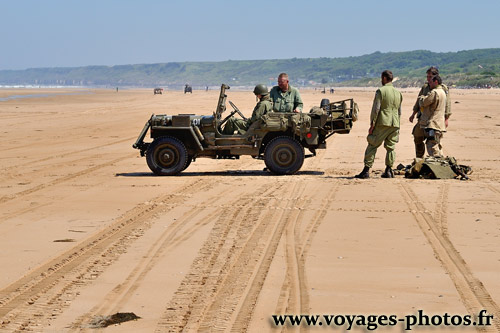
[[364, 174], [388, 172]]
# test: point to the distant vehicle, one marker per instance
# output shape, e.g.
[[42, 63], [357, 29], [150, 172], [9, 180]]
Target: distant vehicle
[[277, 138], [158, 91], [188, 89]]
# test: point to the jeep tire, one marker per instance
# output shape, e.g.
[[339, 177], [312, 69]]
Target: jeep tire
[[284, 155], [166, 156], [188, 162]]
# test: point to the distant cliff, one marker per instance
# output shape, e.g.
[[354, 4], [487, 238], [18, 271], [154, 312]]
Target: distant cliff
[[476, 68]]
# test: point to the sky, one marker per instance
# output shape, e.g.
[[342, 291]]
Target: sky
[[62, 33]]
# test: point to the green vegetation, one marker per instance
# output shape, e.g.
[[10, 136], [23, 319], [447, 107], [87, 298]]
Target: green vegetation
[[476, 68]]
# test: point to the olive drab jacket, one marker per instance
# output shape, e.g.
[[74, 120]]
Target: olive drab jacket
[[386, 109], [425, 90], [264, 106], [434, 106], [286, 101]]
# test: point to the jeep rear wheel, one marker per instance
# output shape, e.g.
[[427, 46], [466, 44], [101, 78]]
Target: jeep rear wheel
[[284, 155], [166, 156]]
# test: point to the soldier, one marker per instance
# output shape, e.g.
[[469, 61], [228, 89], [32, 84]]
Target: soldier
[[263, 106], [319, 110], [384, 126], [418, 133], [432, 120], [285, 97]]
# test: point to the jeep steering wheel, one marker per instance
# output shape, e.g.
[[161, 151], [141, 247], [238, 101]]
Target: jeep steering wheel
[[236, 110], [227, 117]]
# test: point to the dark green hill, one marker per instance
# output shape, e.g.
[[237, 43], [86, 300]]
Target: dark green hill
[[464, 68]]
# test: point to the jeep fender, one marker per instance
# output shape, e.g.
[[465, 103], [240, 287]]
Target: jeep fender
[[186, 135]]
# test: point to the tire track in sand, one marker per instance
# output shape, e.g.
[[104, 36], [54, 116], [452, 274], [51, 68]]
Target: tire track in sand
[[89, 257], [234, 259], [63, 179], [494, 190], [49, 302], [243, 312], [474, 295], [51, 157], [168, 240], [294, 296], [440, 214], [479, 142]]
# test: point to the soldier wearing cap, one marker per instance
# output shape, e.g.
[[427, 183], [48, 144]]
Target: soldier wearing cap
[[432, 120], [418, 133], [263, 106], [384, 126], [285, 97]]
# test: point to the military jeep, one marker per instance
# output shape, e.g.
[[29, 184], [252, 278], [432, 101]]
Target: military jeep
[[277, 138]]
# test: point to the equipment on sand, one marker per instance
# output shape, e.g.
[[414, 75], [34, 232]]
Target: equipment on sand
[[437, 168]]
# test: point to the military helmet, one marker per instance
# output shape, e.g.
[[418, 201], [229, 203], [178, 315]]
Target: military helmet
[[260, 89], [324, 102]]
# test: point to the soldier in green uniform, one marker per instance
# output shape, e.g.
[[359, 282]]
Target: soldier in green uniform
[[285, 97], [432, 119], [418, 133], [319, 110], [384, 126], [263, 106]]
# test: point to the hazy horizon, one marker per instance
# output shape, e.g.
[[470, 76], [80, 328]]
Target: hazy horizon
[[201, 61], [111, 33]]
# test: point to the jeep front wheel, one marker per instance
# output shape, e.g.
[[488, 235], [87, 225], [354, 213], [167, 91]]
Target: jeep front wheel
[[166, 156], [188, 162], [284, 155]]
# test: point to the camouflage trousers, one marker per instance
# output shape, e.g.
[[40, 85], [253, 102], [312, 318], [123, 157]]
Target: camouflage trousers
[[418, 139], [235, 124], [387, 135], [433, 144]]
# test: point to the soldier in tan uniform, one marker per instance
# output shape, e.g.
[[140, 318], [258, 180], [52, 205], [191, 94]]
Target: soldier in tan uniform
[[432, 121], [384, 126], [418, 133]]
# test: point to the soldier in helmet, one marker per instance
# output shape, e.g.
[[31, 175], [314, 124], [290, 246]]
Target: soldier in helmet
[[285, 97], [321, 109], [263, 106], [418, 132]]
